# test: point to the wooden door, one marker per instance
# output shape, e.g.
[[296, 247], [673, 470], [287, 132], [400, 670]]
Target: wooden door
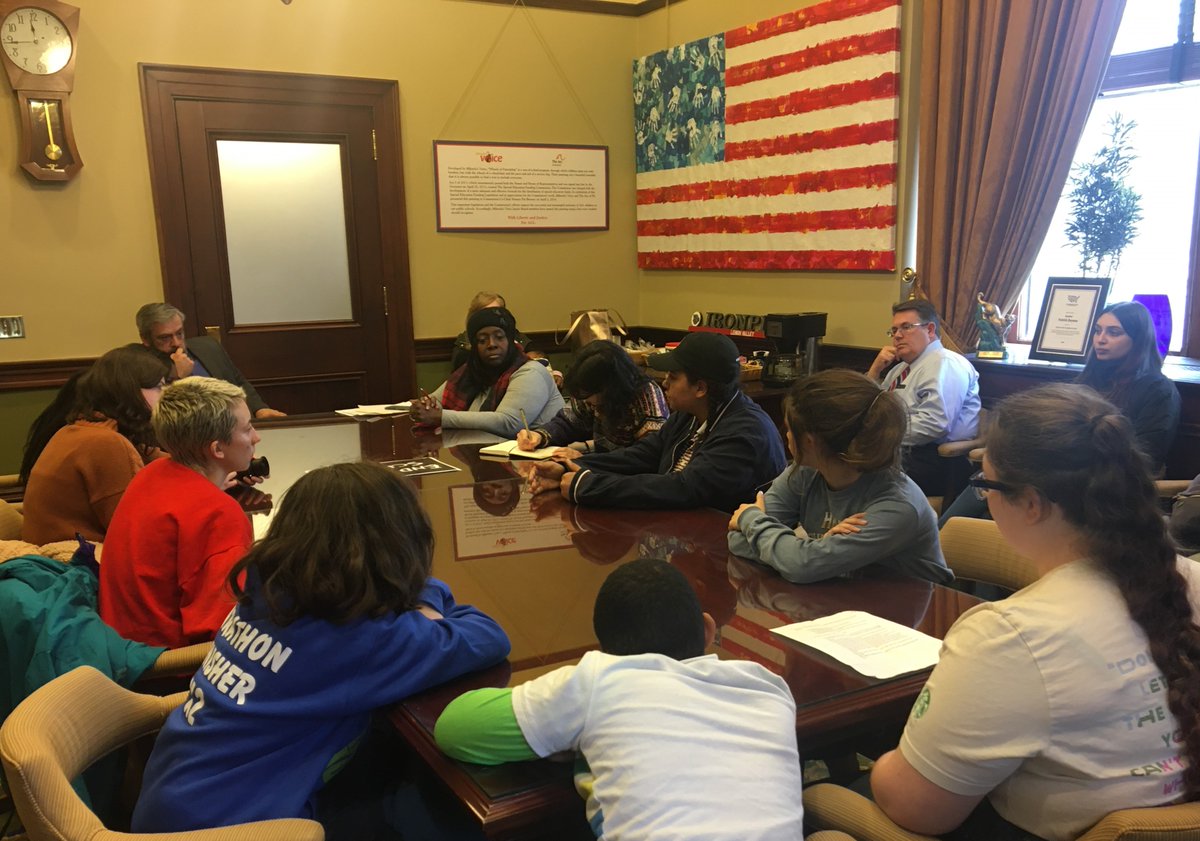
[[280, 207]]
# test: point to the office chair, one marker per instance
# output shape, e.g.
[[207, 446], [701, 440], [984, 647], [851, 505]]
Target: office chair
[[957, 473], [10, 521], [974, 550], [68, 724], [830, 806]]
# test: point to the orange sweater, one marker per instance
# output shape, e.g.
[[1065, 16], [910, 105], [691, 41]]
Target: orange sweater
[[77, 482]]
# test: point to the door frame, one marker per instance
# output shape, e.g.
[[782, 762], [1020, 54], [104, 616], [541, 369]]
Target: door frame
[[162, 85]]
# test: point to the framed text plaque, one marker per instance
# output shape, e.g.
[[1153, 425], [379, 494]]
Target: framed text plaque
[[520, 187], [494, 518], [1064, 328]]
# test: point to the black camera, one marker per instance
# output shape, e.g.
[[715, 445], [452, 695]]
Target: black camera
[[258, 467]]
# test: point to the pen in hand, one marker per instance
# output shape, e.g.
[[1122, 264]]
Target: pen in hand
[[524, 420]]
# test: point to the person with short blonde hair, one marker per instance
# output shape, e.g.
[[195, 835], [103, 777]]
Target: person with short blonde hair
[[199, 412], [176, 534]]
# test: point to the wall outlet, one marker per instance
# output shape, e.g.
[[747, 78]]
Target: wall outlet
[[12, 326]]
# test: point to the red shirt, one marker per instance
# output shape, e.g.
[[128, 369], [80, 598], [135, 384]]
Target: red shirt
[[170, 546]]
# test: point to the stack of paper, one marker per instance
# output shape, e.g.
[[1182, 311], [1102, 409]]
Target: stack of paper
[[872, 646], [377, 410]]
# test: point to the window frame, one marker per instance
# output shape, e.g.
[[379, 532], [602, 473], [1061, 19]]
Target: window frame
[[1161, 67]]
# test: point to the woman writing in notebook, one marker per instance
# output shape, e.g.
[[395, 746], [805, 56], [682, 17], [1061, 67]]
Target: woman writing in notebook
[[612, 405], [494, 386]]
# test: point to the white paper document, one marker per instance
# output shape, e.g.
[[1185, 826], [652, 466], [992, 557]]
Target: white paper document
[[871, 646], [377, 410]]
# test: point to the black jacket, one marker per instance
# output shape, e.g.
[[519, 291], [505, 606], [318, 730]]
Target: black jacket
[[1152, 406], [740, 451], [216, 361]]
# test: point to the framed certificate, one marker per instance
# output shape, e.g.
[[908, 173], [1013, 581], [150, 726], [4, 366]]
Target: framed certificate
[[520, 187], [1064, 328]]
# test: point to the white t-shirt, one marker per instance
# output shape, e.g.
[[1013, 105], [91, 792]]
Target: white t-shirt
[[1050, 701], [694, 749]]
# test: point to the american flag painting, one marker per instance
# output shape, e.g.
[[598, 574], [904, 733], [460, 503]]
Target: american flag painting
[[773, 146]]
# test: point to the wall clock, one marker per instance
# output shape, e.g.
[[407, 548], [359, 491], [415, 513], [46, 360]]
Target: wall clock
[[39, 39]]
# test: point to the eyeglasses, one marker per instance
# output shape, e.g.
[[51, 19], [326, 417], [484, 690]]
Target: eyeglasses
[[983, 487], [904, 328]]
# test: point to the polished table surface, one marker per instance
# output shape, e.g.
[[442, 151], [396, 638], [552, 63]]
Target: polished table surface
[[536, 564]]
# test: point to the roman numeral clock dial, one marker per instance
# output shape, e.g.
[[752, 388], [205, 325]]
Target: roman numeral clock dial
[[37, 42]]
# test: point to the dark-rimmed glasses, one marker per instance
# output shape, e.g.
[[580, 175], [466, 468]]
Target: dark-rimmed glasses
[[983, 487]]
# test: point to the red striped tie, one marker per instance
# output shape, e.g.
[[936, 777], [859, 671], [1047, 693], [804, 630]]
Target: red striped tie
[[903, 376]]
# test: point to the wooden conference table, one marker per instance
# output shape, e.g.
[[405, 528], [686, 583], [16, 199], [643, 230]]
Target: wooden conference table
[[536, 565]]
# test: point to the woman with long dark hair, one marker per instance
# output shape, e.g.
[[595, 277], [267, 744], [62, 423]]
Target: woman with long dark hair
[[77, 479], [1080, 694], [1124, 367], [843, 504], [499, 389], [613, 404]]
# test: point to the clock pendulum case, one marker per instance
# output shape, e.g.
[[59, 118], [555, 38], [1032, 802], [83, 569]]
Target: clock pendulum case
[[38, 41]]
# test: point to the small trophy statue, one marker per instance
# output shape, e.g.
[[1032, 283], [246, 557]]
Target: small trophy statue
[[993, 324]]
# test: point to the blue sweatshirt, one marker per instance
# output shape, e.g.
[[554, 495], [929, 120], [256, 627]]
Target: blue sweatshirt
[[274, 712]]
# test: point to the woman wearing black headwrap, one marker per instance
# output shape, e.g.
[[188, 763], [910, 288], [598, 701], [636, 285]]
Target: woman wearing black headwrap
[[496, 385]]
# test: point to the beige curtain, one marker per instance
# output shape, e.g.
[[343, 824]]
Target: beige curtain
[[1006, 87]]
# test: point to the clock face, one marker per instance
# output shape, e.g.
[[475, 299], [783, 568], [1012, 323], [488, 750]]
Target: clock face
[[35, 41]]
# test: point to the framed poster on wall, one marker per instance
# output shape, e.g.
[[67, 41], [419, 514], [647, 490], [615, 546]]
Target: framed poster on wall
[[520, 187], [1064, 327]]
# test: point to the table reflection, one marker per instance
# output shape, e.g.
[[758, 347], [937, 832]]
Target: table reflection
[[536, 563]]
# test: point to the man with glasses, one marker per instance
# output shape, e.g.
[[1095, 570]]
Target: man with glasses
[[160, 327], [939, 388]]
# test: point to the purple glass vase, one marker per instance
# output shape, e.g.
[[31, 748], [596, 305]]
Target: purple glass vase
[[1160, 313]]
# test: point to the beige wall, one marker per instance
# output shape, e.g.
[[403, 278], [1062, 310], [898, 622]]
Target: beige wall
[[80, 258]]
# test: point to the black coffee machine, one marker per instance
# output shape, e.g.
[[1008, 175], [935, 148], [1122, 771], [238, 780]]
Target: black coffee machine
[[796, 338]]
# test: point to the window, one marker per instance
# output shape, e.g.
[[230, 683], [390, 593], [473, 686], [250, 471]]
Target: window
[[1154, 80]]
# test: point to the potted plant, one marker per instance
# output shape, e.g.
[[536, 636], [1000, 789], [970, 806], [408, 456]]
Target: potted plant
[[1105, 210]]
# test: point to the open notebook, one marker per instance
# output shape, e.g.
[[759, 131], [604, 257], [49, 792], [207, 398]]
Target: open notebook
[[508, 449]]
